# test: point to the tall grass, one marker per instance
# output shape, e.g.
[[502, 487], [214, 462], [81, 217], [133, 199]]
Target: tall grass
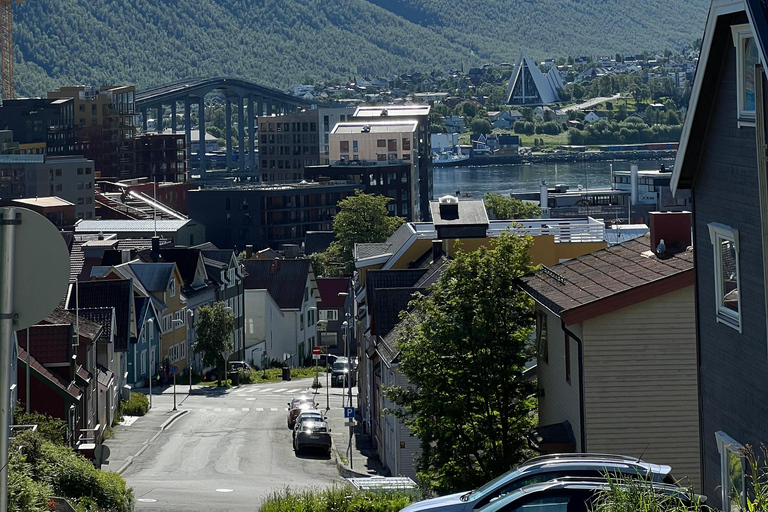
[[336, 499], [639, 495]]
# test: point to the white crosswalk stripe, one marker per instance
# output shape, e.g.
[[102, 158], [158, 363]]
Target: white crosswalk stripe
[[264, 390], [259, 409], [217, 409], [230, 409], [279, 390], [273, 409], [246, 409]]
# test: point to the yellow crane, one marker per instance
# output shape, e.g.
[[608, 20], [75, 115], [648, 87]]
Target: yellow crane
[[6, 48]]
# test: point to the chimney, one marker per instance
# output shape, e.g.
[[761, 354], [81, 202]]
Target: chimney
[[633, 183], [155, 254], [672, 227], [248, 251], [449, 207], [437, 249], [543, 196]]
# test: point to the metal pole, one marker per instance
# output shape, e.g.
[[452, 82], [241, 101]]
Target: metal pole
[[27, 372], [174, 391], [151, 363], [327, 393], [349, 387], [7, 234]]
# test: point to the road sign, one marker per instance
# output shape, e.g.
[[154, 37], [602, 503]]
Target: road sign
[[317, 350], [41, 267], [349, 412], [174, 370], [316, 357], [321, 325], [349, 424]]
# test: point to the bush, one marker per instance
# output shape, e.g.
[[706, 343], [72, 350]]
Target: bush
[[337, 499], [52, 429], [637, 495], [137, 405]]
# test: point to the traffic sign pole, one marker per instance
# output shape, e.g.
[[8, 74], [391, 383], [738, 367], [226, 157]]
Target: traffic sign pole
[[7, 249]]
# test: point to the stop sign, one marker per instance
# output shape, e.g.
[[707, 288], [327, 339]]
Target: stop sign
[[317, 350]]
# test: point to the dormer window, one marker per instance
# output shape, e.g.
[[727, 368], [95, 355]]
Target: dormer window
[[173, 287], [747, 56]]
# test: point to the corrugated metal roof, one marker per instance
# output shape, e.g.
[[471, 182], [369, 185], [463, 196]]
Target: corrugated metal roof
[[122, 226]]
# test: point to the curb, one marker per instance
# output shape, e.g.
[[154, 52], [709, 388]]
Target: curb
[[167, 423]]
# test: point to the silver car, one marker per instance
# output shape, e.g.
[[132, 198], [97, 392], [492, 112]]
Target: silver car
[[543, 469]]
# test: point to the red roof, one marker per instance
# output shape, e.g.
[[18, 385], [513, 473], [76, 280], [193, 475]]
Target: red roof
[[329, 288]]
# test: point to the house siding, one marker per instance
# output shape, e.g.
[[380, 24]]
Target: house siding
[[401, 461], [640, 389], [560, 399], [733, 371]]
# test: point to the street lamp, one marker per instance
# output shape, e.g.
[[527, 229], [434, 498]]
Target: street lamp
[[176, 321], [345, 326], [191, 317], [151, 362]]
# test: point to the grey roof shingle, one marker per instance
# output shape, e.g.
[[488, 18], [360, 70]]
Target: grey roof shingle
[[318, 241], [285, 280], [109, 293], [153, 276]]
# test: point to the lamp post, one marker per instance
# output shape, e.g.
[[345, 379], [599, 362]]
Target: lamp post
[[190, 317], [345, 326], [226, 358], [314, 322], [176, 321], [151, 362]]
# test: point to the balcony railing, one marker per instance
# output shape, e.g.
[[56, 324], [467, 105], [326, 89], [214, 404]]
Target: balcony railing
[[564, 230]]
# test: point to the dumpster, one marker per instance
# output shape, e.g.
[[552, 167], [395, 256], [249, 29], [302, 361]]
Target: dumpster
[[234, 377], [286, 373]]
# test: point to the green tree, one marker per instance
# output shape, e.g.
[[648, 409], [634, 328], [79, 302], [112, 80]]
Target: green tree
[[213, 334], [463, 349], [480, 125], [508, 208], [362, 218]]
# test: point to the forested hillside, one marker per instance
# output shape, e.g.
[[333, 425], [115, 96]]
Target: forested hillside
[[279, 42]]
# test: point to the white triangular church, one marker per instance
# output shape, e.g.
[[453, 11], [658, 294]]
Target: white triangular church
[[529, 86]]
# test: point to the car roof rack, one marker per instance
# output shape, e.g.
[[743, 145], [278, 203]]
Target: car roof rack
[[580, 456]]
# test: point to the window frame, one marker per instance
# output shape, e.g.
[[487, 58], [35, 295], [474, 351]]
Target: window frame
[[719, 233], [740, 33], [542, 343], [726, 446]]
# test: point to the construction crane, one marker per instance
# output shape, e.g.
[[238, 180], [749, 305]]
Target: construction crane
[[6, 48]]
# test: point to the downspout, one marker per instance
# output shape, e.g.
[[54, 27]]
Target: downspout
[[580, 356]]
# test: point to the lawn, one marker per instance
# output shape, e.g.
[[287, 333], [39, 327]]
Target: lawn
[[263, 376]]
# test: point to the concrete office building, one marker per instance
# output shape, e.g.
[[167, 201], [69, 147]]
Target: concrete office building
[[41, 121], [68, 177]]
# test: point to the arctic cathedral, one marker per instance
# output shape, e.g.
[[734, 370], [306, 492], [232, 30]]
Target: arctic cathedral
[[529, 86]]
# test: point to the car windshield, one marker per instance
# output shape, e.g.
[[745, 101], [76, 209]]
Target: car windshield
[[340, 366], [483, 490]]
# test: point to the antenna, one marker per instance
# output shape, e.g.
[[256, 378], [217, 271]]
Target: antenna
[[77, 313]]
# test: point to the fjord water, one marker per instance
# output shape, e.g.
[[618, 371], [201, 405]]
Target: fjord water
[[503, 179]]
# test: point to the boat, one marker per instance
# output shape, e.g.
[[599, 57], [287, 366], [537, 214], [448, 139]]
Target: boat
[[448, 158]]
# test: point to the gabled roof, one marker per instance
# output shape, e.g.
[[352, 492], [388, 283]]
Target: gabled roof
[[329, 288], [188, 261], [546, 86], [102, 316], [318, 241], [393, 244], [706, 81], [155, 277], [110, 293], [68, 390], [609, 279], [285, 280]]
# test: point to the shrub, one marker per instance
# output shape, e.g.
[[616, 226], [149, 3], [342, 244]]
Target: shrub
[[637, 495], [137, 405], [337, 499], [52, 429]]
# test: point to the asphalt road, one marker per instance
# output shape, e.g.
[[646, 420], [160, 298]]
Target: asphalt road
[[229, 452]]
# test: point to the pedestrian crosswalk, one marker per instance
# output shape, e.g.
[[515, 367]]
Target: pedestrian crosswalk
[[265, 390], [242, 409]]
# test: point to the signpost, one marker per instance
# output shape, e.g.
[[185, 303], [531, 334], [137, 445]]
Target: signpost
[[34, 273], [316, 351], [349, 412], [174, 372]]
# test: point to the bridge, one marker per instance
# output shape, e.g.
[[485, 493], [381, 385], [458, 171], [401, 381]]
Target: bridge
[[251, 100]]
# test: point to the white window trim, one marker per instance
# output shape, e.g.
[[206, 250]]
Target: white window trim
[[739, 33], [718, 232], [173, 287], [725, 446]]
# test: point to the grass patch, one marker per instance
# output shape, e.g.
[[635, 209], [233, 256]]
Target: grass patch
[[336, 499], [263, 376]]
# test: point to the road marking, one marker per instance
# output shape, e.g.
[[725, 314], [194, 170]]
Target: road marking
[[230, 409], [225, 490], [273, 409], [250, 399], [259, 409], [264, 390], [217, 409], [146, 500], [246, 409]]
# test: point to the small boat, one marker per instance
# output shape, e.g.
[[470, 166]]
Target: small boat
[[447, 158]]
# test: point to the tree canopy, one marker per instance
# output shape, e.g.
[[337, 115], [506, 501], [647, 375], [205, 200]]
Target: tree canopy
[[362, 218], [463, 349], [508, 208], [213, 334]]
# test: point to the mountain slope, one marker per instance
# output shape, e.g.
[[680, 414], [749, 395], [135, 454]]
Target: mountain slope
[[278, 42]]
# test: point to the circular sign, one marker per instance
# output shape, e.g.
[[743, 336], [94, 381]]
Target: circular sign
[[317, 350], [40, 266], [174, 370], [101, 453]]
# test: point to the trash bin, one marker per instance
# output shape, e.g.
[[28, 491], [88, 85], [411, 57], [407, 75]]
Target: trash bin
[[286, 373], [234, 377]]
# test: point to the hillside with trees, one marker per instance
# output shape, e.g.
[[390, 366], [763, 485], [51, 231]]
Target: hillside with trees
[[153, 42]]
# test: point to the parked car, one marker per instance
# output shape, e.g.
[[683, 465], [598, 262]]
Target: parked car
[[340, 371], [569, 494], [296, 406], [543, 469], [239, 366], [210, 373], [313, 434], [307, 415]]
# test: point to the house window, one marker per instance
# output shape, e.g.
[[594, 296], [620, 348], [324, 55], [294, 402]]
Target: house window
[[747, 57], [301, 321], [406, 144], [173, 287], [329, 314], [542, 349], [344, 146], [731, 472], [725, 243], [567, 358], [381, 143], [354, 146]]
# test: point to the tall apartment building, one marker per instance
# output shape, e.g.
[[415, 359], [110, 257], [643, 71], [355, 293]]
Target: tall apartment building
[[36, 121], [103, 118], [383, 157], [67, 177], [290, 143], [422, 150], [160, 157]]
